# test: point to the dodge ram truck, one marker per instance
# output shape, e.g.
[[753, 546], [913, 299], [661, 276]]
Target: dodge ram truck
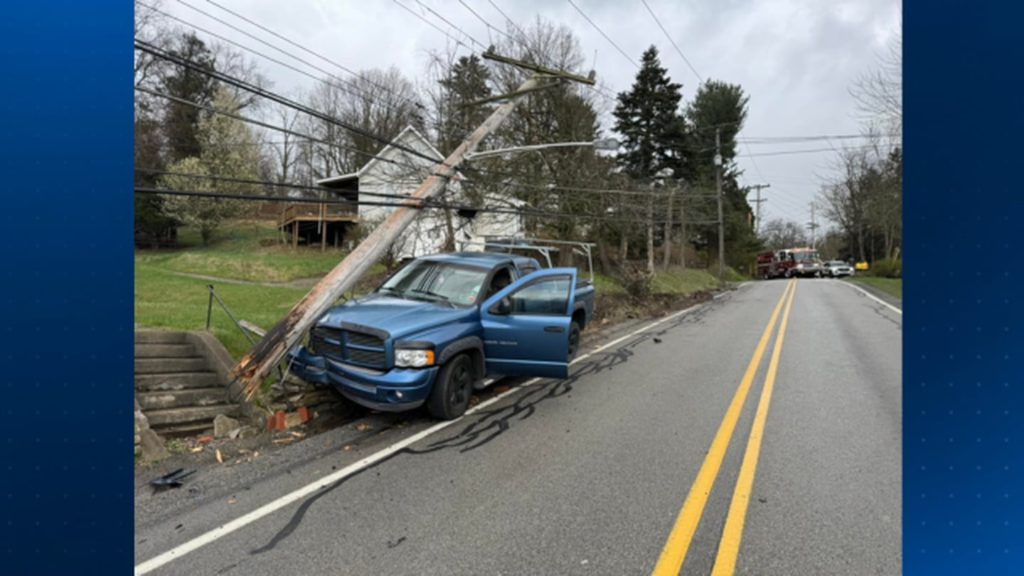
[[435, 330]]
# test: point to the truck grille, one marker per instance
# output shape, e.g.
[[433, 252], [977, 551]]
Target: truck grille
[[348, 346]]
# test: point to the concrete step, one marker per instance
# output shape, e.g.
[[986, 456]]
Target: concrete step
[[178, 381], [159, 337], [165, 365], [194, 415], [189, 429], [165, 351], [194, 397]]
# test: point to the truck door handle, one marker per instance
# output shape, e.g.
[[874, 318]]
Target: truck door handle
[[555, 329]]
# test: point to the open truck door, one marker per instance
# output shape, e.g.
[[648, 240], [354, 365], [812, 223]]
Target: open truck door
[[526, 325]]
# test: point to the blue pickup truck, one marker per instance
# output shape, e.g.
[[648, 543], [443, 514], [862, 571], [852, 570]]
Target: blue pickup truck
[[437, 328]]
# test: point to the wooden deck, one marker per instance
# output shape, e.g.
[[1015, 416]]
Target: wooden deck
[[321, 220]]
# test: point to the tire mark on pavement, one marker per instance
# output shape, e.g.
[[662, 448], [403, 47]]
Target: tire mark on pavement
[[494, 422]]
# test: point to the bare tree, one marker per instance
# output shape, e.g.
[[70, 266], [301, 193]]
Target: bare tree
[[779, 234], [879, 93]]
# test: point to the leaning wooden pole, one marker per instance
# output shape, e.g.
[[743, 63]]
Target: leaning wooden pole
[[259, 362]]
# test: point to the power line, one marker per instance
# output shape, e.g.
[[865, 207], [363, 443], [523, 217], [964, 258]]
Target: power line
[[507, 19], [415, 203], [453, 26], [269, 183], [606, 37], [810, 151], [813, 138], [231, 80], [348, 86], [419, 169], [301, 47], [435, 26], [283, 130], [485, 22], [674, 45]]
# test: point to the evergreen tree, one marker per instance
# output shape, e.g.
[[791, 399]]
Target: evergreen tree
[[720, 107], [467, 81], [649, 121], [181, 121]]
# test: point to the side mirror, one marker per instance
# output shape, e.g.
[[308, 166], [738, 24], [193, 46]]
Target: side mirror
[[502, 308]]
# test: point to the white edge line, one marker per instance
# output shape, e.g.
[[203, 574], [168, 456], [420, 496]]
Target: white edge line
[[875, 298], [281, 502]]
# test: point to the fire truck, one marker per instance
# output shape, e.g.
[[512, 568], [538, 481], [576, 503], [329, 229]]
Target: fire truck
[[790, 262]]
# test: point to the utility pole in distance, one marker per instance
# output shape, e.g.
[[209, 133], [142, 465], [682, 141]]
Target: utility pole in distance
[[757, 205], [721, 221], [259, 361], [813, 226]]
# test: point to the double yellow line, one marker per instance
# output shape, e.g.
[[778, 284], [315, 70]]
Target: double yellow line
[[674, 552]]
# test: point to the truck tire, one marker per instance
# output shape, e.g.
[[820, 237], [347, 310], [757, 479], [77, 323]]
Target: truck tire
[[454, 386], [574, 340]]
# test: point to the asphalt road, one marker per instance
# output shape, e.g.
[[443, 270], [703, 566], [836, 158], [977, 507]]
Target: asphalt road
[[590, 475]]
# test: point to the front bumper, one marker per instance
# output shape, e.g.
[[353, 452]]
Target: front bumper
[[394, 390]]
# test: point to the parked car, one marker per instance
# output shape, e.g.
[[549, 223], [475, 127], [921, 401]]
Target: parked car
[[436, 328], [838, 269]]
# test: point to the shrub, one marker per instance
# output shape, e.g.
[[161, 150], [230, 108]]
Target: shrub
[[635, 279], [888, 268]]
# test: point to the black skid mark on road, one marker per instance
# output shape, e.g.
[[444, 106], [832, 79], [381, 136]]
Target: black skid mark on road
[[489, 424], [881, 311]]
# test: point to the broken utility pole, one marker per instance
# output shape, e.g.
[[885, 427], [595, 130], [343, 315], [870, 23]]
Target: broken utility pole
[[259, 361]]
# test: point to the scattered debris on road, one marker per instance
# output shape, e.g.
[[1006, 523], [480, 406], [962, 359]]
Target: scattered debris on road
[[171, 480]]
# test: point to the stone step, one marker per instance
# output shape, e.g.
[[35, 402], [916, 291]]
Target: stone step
[[165, 351], [189, 429], [193, 397], [179, 381], [194, 415], [165, 365], [159, 337]]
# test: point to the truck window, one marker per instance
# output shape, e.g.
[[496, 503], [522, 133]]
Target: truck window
[[501, 279], [427, 280], [548, 296]]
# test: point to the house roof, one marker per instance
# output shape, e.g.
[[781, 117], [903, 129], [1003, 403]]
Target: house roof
[[403, 137]]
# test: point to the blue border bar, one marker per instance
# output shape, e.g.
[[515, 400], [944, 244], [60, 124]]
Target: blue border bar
[[66, 127]]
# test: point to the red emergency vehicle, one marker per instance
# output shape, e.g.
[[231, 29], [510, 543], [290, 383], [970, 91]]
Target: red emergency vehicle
[[788, 263]]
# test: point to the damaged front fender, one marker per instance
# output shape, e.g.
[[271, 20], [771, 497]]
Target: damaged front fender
[[307, 366]]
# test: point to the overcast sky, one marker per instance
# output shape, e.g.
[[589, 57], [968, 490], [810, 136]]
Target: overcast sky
[[795, 58]]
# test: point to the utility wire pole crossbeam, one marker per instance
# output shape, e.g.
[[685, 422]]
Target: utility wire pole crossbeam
[[273, 347], [757, 205]]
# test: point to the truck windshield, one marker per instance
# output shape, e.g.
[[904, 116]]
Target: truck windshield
[[805, 256], [436, 281]]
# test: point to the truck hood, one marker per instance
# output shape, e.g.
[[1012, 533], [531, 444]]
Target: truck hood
[[397, 316]]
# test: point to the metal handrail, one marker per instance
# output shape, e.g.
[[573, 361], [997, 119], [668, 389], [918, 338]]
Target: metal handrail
[[224, 307], [209, 313]]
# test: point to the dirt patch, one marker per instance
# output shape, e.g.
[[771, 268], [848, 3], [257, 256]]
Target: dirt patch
[[612, 309]]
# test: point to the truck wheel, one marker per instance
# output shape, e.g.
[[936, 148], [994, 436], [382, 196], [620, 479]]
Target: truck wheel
[[452, 390], [574, 340]]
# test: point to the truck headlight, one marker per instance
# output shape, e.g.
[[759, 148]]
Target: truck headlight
[[414, 358]]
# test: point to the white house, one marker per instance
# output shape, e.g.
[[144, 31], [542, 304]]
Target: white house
[[396, 172]]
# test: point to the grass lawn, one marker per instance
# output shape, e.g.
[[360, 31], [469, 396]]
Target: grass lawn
[[165, 300], [240, 251], [682, 281], [244, 250], [891, 286]]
